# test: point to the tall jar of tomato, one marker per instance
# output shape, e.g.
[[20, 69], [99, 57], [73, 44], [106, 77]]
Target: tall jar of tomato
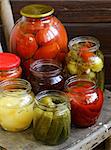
[[85, 60], [38, 34], [86, 100]]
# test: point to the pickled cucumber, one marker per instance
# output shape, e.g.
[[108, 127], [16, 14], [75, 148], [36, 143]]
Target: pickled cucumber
[[66, 125], [36, 116], [47, 101], [55, 130], [43, 125]]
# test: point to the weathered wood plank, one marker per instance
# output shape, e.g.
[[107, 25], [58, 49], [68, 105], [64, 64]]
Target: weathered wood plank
[[72, 11]]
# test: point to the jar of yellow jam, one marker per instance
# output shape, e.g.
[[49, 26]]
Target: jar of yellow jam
[[16, 104]]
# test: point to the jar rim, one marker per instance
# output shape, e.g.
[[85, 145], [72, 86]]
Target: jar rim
[[48, 93], [37, 11], [78, 39], [15, 81], [41, 62], [73, 79]]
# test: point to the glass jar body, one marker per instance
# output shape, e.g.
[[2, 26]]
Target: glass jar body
[[85, 60], [16, 105], [51, 122], [46, 74], [86, 101], [13, 73], [38, 38]]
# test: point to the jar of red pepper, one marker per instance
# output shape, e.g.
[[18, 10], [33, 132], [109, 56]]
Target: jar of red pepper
[[86, 101], [9, 66], [38, 35]]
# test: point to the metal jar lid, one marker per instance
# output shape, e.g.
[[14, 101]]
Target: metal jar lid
[[37, 11]]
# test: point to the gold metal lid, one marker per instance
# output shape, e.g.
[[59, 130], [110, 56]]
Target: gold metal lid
[[36, 11]]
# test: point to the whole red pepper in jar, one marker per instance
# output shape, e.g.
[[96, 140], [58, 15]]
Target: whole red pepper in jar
[[9, 66], [86, 101], [38, 35]]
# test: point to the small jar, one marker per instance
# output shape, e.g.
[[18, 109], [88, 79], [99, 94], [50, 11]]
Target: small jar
[[38, 34], [51, 121], [46, 74], [86, 101], [16, 104], [9, 66], [85, 60]]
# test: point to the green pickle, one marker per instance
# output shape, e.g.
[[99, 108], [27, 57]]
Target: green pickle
[[51, 121]]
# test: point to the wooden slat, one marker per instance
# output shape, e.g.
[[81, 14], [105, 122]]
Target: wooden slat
[[102, 31], [72, 11]]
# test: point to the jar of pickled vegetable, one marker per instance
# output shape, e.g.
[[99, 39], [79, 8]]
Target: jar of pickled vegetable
[[85, 60], [86, 101], [16, 104], [38, 35], [51, 121], [46, 74], [9, 66]]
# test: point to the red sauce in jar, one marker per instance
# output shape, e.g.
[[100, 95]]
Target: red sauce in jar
[[86, 102]]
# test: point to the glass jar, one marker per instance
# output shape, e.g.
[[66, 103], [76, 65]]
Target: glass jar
[[85, 60], [46, 74], [16, 104], [51, 121], [38, 35], [9, 66], [86, 101]]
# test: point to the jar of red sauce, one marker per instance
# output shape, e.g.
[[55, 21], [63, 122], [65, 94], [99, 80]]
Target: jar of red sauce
[[86, 101], [46, 74], [38, 34], [9, 66]]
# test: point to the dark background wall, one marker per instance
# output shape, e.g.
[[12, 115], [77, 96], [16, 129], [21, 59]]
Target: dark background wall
[[80, 17]]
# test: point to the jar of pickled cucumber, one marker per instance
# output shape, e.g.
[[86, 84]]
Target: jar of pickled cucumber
[[46, 74], [86, 100], [9, 66], [16, 104], [38, 34], [51, 121], [85, 60]]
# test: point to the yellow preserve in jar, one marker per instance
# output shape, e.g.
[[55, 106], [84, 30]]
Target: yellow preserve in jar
[[16, 104]]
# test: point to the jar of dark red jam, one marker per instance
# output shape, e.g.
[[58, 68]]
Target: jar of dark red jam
[[46, 74], [86, 101], [9, 66]]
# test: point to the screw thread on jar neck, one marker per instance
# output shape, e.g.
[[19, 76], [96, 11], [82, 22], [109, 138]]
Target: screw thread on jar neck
[[71, 83], [45, 68], [82, 39], [17, 83]]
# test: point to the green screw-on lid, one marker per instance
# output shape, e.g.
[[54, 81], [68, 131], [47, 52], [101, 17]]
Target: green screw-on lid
[[37, 11]]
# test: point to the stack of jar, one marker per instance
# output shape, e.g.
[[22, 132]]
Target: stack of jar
[[40, 40]]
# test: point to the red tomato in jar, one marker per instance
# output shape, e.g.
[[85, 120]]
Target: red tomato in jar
[[26, 46], [61, 37], [26, 66], [31, 26], [48, 51], [45, 35], [15, 35]]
